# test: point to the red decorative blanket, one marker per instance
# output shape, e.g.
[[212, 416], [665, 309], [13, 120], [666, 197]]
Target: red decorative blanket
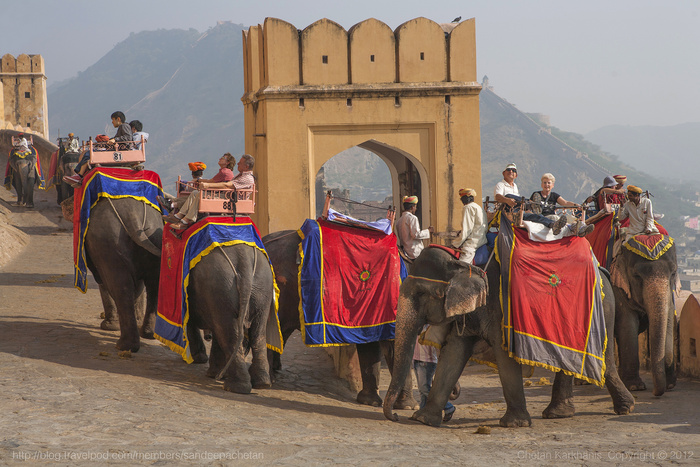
[[551, 293]]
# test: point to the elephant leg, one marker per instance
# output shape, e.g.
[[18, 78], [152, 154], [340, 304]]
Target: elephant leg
[[670, 360], [197, 349], [237, 378], [369, 356], [259, 369], [405, 401], [151, 306], [454, 355], [562, 403], [217, 359], [511, 376], [229, 337], [111, 320], [29, 191], [626, 333], [121, 289]]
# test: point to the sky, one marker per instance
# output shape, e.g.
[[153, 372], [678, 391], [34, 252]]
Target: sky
[[586, 64]]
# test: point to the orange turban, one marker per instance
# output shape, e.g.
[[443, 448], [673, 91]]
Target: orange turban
[[634, 189], [467, 192], [195, 166], [410, 199]]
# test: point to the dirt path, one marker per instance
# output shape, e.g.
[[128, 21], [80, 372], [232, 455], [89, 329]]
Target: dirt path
[[68, 399]]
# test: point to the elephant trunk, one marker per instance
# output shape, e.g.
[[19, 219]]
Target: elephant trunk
[[657, 301], [407, 326]]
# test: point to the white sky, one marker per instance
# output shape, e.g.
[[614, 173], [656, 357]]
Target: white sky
[[586, 64]]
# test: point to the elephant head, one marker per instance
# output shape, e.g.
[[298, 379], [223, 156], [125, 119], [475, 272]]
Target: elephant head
[[443, 290], [644, 295]]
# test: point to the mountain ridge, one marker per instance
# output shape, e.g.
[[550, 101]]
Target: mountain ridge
[[185, 87]]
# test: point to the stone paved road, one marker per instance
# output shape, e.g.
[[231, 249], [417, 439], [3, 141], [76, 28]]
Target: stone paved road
[[68, 399]]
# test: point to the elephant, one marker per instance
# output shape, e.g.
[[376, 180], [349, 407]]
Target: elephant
[[283, 250], [231, 290], [66, 165], [24, 175], [443, 286], [122, 250], [644, 300]]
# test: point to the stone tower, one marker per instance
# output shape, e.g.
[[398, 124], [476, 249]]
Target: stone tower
[[23, 94], [410, 96]]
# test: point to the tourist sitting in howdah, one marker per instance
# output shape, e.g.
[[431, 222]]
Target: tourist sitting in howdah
[[506, 193], [546, 202], [187, 214], [124, 135], [605, 198]]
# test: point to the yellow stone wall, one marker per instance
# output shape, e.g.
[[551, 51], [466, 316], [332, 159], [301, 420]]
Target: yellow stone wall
[[23, 94], [408, 95]]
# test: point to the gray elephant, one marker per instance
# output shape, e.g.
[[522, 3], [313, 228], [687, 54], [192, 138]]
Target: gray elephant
[[122, 250], [444, 288], [66, 163], [644, 300], [24, 175], [230, 292], [283, 248]]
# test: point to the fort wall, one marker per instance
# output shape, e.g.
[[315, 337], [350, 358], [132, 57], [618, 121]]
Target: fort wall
[[23, 94], [411, 95]]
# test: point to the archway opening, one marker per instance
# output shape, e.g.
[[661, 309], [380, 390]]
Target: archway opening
[[373, 174], [359, 175]]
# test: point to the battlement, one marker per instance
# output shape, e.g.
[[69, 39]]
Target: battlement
[[23, 94], [278, 55]]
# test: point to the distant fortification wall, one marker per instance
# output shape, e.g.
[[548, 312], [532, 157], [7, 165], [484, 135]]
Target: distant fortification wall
[[23, 94]]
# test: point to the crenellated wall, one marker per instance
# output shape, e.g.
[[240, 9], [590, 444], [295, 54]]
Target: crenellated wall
[[409, 95], [23, 94], [420, 50]]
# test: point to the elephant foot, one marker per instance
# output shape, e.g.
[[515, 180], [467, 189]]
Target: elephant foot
[[515, 419], [30, 206], [581, 382], [372, 398], [239, 387], [428, 418], [260, 378], [128, 344], [212, 372], [200, 357], [109, 325], [147, 334], [635, 384], [406, 401], [559, 409], [624, 407]]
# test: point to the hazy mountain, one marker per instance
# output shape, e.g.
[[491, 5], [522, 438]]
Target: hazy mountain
[[186, 87], [670, 152]]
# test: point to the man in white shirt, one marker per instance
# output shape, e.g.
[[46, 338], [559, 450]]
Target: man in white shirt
[[474, 226], [73, 145], [408, 230], [640, 213]]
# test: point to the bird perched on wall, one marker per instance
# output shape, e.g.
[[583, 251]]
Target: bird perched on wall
[[457, 19]]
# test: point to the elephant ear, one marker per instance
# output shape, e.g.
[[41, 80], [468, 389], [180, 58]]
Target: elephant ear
[[465, 292]]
